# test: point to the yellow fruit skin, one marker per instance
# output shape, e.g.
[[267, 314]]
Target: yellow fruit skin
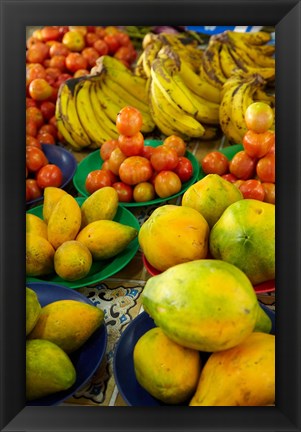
[[35, 225], [52, 195], [173, 235], [33, 309], [105, 238], [263, 322], [65, 221], [67, 323], [245, 236], [102, 204], [48, 369], [39, 256], [211, 196], [241, 376], [208, 305], [168, 371], [72, 260]]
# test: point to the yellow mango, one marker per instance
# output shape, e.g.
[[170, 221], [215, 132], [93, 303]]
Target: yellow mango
[[72, 260], [39, 255], [65, 221], [36, 225], [102, 204], [33, 309], [52, 195]]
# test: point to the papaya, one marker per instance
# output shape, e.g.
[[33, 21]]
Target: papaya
[[245, 236], [263, 322], [67, 323], [65, 221], [101, 204], [72, 260], [48, 369], [33, 309], [240, 376], [52, 195], [168, 371], [211, 196], [173, 235], [105, 238], [36, 225], [208, 305], [39, 255]]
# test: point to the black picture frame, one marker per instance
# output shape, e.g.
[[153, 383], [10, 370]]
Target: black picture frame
[[15, 16]]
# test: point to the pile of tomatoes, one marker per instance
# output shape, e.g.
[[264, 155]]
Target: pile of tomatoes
[[40, 173], [139, 172], [57, 53], [252, 169]]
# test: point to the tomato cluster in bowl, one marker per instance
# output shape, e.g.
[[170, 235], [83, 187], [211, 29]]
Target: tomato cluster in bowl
[[139, 172], [57, 53]]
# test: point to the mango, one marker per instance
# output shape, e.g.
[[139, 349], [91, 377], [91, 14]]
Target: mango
[[245, 236], [39, 255], [102, 204], [36, 225], [168, 371], [33, 309], [52, 195], [72, 260], [67, 323], [105, 238], [173, 235], [263, 322], [211, 196], [65, 221], [240, 376], [48, 369], [208, 305]]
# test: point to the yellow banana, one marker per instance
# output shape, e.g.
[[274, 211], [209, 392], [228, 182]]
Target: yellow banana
[[211, 64], [148, 39], [161, 122], [261, 95], [211, 133], [225, 115], [150, 53], [240, 57], [67, 137], [208, 112], [139, 70], [227, 62], [253, 38], [241, 99], [267, 50]]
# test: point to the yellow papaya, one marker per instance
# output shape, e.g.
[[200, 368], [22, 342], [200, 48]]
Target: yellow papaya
[[33, 309], [39, 255], [52, 195], [101, 204], [72, 260], [36, 225]]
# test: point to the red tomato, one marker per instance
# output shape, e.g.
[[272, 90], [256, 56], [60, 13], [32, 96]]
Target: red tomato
[[131, 145], [215, 162], [124, 53], [112, 42], [167, 183], [107, 148], [31, 128], [230, 177], [75, 61], [259, 117], [58, 49], [147, 151], [35, 158], [53, 72], [164, 158], [34, 71], [129, 121], [269, 190], [59, 62], [242, 165], [265, 168], [62, 78], [32, 141], [48, 128], [49, 175], [50, 33], [123, 38], [143, 192], [37, 53], [177, 143], [252, 189], [40, 89], [90, 38], [125, 191], [33, 191], [184, 169], [101, 47], [47, 109], [45, 138], [258, 144], [81, 72], [35, 114], [135, 169], [115, 160], [30, 102], [97, 179], [105, 166], [91, 55]]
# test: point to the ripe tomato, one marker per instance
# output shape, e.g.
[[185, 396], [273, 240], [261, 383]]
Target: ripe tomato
[[31, 128], [91, 55], [184, 169], [30, 102], [259, 117], [135, 169], [32, 141], [125, 191], [33, 191], [47, 109], [35, 158], [75, 61], [265, 168], [112, 42], [115, 160], [81, 72], [34, 71], [242, 165], [269, 190], [37, 53], [49, 175], [49, 33], [258, 144], [131, 145], [45, 138], [97, 179], [215, 162], [124, 53], [81, 29], [167, 183], [62, 78], [52, 74], [123, 38], [129, 121], [40, 89], [252, 189], [50, 129], [143, 192], [107, 148], [35, 114], [58, 62], [58, 49], [164, 158], [230, 177], [147, 151], [105, 167], [90, 38], [74, 41], [101, 47], [177, 143]]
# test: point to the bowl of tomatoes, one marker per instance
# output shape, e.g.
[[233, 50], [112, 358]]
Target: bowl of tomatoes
[[50, 165]]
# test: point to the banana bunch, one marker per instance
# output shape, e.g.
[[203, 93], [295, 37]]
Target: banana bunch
[[87, 107]]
